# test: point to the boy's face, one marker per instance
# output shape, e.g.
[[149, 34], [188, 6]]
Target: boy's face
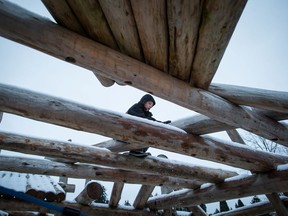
[[148, 105]]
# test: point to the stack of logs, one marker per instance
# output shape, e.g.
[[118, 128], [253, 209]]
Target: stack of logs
[[39, 186]]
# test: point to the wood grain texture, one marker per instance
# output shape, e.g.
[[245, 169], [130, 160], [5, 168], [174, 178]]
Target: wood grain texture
[[219, 19], [151, 20], [183, 22], [65, 45], [85, 171], [274, 181], [60, 112], [121, 21]]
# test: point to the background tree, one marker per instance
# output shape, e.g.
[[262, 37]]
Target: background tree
[[255, 199], [103, 198], [224, 206], [204, 207], [264, 144], [239, 203], [127, 203]]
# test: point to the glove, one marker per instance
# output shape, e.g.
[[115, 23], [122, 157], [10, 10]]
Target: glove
[[167, 122]]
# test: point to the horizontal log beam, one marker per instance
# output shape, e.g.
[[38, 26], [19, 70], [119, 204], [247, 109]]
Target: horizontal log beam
[[86, 154], [27, 28], [85, 171], [58, 111], [258, 98], [142, 196], [274, 181], [118, 146], [103, 209], [260, 208], [200, 124]]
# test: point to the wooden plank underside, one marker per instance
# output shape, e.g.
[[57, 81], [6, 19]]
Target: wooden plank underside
[[89, 171], [274, 181], [64, 15], [121, 21], [219, 19], [92, 18], [183, 22], [60, 112], [151, 20], [114, 65]]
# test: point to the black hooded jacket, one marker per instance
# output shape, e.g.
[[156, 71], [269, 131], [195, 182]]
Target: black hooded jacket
[[139, 110]]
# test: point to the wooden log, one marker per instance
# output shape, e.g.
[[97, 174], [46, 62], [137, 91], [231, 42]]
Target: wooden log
[[118, 146], [87, 154], [92, 19], [258, 98], [116, 194], [142, 196], [92, 191], [219, 20], [1, 116], [151, 21], [57, 111], [235, 136], [277, 204], [274, 198], [81, 51], [270, 182], [183, 23], [260, 208], [102, 210], [83, 171], [63, 15], [121, 21], [200, 124], [70, 188]]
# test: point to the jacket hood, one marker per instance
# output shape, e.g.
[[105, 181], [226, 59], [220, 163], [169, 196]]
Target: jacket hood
[[146, 98]]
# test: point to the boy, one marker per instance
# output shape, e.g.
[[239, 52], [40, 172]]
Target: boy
[[142, 109]]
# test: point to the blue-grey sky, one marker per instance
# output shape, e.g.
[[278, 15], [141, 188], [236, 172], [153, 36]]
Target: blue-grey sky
[[255, 57]]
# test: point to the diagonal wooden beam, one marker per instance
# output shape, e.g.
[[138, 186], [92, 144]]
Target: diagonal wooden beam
[[142, 196], [200, 124], [89, 171], [60, 112], [274, 181], [259, 98], [118, 146], [35, 31], [116, 194], [277, 203]]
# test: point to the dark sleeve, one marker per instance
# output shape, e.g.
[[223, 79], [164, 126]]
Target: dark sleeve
[[136, 110]]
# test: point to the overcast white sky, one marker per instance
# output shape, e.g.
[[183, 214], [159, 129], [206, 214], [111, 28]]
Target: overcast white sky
[[256, 57]]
